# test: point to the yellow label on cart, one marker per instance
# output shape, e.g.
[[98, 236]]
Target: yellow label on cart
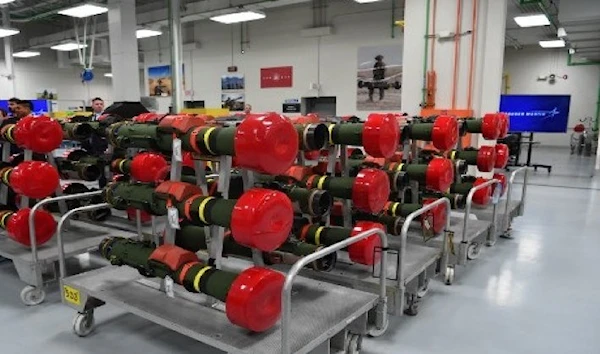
[[71, 295]]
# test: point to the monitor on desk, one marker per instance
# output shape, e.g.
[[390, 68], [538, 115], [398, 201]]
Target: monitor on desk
[[537, 113]]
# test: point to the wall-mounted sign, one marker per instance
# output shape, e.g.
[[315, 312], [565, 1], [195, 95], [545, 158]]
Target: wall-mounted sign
[[291, 108], [281, 76]]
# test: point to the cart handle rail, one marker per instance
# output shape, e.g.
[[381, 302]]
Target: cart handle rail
[[513, 175], [59, 233], [470, 203], [41, 203], [286, 292]]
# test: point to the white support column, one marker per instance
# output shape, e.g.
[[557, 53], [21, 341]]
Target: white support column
[[414, 51], [8, 55], [122, 25]]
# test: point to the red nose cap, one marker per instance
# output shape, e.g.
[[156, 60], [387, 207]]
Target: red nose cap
[[482, 196], [490, 126], [254, 299], [502, 155], [145, 217], [486, 158], [22, 131], [262, 219], [34, 179], [504, 124], [502, 178], [147, 117], [363, 251], [266, 143], [438, 214], [445, 132], [439, 175], [381, 135], [312, 155], [148, 167], [44, 135], [17, 227], [371, 190]]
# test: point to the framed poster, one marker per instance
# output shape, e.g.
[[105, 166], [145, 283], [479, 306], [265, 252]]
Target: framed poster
[[281, 76], [379, 78]]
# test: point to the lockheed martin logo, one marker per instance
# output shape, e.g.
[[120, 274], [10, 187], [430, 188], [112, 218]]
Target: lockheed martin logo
[[542, 114]]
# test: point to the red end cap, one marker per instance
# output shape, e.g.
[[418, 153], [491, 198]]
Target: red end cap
[[490, 126], [380, 135], [440, 174], [312, 155], [504, 124], [45, 135], [254, 299], [363, 252], [445, 132], [579, 128], [502, 178], [262, 219], [486, 158], [502, 155], [266, 143], [148, 167], [438, 213], [371, 190], [34, 179], [22, 131], [147, 117], [18, 227], [482, 196]]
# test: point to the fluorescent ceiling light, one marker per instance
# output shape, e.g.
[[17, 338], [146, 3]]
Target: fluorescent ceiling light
[[557, 43], [108, 75], [237, 17], [532, 20], [2, 2], [7, 32], [85, 10], [67, 47], [145, 33], [26, 54], [365, 1]]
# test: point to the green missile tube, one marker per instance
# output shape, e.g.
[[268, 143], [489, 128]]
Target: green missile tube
[[443, 132], [260, 218], [393, 225], [143, 136], [484, 158], [457, 201], [87, 170], [193, 238], [312, 136], [362, 252], [313, 202], [241, 293], [490, 126], [369, 190], [77, 131]]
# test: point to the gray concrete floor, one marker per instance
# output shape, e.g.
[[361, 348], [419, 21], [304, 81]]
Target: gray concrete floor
[[536, 293]]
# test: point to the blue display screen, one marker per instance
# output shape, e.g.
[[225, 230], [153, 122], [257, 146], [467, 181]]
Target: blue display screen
[[39, 106], [537, 113]]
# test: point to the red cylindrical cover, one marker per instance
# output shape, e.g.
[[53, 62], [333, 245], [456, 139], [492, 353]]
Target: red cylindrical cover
[[34, 179], [262, 218], [440, 174], [482, 196], [266, 143], [254, 299], [371, 190], [18, 227], [380, 135], [486, 158], [364, 251], [148, 167], [445, 132], [502, 155]]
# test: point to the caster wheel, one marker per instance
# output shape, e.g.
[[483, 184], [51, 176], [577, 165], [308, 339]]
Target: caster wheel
[[374, 332], [412, 305], [83, 324], [473, 251], [354, 344], [32, 296], [449, 276], [423, 290], [507, 234], [490, 243]]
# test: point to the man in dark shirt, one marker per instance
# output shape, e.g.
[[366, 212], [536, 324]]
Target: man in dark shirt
[[378, 78]]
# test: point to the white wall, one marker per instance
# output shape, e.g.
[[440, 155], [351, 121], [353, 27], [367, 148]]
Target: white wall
[[524, 66], [44, 72], [276, 41]]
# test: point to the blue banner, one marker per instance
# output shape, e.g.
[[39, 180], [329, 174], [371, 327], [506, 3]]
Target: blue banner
[[39, 106], [537, 113]]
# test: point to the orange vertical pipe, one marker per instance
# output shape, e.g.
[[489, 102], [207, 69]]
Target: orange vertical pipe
[[472, 61], [456, 50]]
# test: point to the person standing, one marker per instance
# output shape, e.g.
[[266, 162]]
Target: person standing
[[22, 109], [12, 104], [97, 107], [378, 78], [247, 108]]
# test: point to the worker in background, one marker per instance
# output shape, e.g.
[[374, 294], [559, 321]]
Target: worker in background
[[378, 78], [12, 104], [3, 115], [247, 108], [97, 107], [22, 109]]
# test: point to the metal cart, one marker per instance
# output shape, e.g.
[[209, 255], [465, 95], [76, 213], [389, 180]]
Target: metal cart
[[508, 208], [411, 265], [321, 322], [36, 266]]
